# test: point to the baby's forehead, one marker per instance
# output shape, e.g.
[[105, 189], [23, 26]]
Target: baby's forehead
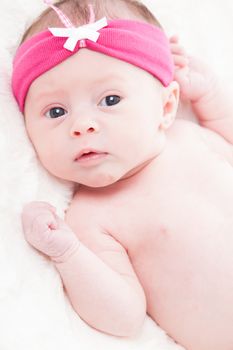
[[89, 73], [91, 67]]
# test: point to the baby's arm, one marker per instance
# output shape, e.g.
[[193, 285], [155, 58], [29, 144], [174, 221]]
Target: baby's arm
[[210, 101], [98, 277]]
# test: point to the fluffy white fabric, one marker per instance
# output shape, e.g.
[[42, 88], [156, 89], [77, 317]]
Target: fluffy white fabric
[[34, 311]]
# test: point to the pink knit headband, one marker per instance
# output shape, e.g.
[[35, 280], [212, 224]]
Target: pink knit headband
[[138, 43]]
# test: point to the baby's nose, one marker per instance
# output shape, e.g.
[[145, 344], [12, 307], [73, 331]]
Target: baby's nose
[[84, 127]]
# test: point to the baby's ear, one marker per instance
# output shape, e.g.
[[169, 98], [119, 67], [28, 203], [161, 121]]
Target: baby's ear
[[170, 104]]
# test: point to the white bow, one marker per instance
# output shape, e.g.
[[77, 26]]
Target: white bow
[[74, 34]]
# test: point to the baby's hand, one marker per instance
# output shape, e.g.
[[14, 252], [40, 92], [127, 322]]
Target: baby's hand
[[195, 78], [45, 231]]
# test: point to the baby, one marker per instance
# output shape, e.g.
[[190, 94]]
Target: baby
[[150, 228]]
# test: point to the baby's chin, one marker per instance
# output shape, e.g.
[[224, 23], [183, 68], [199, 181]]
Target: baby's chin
[[100, 180]]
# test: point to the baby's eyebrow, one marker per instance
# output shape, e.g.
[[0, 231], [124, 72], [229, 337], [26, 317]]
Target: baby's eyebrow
[[49, 93], [110, 78]]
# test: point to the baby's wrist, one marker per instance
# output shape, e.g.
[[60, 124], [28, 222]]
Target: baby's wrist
[[207, 101], [212, 87], [65, 256]]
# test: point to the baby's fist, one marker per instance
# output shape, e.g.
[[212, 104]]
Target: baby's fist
[[195, 78], [45, 231]]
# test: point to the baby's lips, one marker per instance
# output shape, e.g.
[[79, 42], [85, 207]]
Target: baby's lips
[[85, 152]]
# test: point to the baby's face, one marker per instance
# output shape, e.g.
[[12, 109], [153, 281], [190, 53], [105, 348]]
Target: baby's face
[[94, 119]]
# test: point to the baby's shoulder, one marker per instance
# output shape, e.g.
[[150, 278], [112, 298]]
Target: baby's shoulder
[[86, 200], [182, 127], [89, 206], [192, 135], [183, 130], [85, 216], [184, 137]]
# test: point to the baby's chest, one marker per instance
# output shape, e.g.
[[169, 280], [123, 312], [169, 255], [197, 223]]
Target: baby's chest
[[193, 198], [139, 217]]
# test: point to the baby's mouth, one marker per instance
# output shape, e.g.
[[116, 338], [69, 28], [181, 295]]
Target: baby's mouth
[[88, 155]]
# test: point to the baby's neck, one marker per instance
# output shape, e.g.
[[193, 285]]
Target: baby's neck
[[138, 170], [135, 177]]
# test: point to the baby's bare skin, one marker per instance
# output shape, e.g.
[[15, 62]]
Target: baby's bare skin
[[179, 235], [150, 228]]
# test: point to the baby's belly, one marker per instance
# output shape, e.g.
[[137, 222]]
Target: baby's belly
[[188, 280]]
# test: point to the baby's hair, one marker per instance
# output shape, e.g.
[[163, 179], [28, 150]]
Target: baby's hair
[[78, 12]]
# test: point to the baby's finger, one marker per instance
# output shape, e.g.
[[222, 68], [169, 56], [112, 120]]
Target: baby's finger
[[174, 39], [43, 222], [38, 205], [177, 49], [180, 61]]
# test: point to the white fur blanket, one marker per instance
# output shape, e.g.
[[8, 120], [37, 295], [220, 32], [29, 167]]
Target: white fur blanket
[[34, 311]]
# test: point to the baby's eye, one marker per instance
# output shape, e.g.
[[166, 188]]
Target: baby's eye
[[55, 112], [109, 101]]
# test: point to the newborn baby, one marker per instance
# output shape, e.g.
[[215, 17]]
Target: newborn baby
[[150, 227]]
